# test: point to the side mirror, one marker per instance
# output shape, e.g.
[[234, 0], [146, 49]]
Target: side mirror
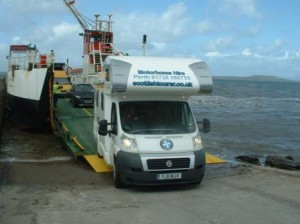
[[205, 125], [102, 130]]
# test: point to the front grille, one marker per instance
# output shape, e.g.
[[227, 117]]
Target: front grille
[[161, 164]]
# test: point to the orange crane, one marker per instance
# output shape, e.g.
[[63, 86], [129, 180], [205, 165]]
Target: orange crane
[[86, 23]]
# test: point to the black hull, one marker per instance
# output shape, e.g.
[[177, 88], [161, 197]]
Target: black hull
[[31, 114]]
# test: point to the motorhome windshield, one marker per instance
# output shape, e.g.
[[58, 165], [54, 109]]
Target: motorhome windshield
[[156, 117]]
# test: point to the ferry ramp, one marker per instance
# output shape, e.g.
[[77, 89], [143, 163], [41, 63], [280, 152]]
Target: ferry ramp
[[75, 126]]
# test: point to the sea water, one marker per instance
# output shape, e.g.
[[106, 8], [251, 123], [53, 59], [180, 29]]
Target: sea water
[[251, 117]]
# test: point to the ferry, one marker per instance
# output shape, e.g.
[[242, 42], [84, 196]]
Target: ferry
[[29, 87], [30, 93]]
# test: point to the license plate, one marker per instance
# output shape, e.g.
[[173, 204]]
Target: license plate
[[88, 101], [168, 176]]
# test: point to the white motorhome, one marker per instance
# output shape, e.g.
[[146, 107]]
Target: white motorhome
[[143, 124]]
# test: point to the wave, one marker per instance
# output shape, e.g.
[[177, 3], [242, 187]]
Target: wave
[[242, 105]]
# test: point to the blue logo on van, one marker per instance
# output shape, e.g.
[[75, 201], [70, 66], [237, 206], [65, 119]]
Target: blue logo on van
[[166, 144]]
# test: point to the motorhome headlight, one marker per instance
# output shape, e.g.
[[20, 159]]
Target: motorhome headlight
[[128, 144], [197, 142]]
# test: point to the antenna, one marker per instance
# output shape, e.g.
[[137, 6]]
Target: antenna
[[109, 22], [144, 44], [97, 23]]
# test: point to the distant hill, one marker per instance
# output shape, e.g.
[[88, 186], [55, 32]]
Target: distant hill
[[254, 78]]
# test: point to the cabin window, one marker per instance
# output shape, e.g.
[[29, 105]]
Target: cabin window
[[114, 121]]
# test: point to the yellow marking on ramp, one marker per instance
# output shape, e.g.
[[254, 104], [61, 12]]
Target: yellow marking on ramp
[[86, 111], [64, 127], [98, 164], [211, 159], [74, 139]]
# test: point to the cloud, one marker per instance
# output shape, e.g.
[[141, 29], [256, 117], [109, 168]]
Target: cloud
[[239, 8], [175, 19], [274, 57], [23, 16], [252, 30], [37, 6], [62, 32], [16, 40], [161, 29], [217, 54], [222, 43], [204, 26], [289, 55], [248, 53], [286, 56], [64, 39], [272, 50], [213, 54], [240, 18], [278, 42], [159, 46]]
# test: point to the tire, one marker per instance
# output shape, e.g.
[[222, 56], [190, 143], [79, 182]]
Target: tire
[[117, 177]]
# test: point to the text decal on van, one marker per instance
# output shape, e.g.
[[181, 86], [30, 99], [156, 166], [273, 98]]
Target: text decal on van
[[177, 84], [161, 78]]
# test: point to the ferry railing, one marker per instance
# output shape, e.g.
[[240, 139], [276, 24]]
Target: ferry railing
[[18, 63], [95, 51], [21, 61]]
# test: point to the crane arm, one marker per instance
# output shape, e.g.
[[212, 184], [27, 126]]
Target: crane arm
[[83, 23]]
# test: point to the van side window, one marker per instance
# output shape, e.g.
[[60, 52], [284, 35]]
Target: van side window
[[102, 102], [107, 77], [114, 120], [97, 98]]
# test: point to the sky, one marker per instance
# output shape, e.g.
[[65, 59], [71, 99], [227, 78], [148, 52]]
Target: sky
[[234, 37]]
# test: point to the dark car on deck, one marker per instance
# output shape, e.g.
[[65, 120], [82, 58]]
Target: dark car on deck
[[82, 95]]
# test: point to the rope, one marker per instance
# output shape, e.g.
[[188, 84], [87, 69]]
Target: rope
[[50, 88]]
